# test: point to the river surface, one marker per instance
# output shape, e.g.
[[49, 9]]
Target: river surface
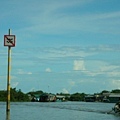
[[58, 111]]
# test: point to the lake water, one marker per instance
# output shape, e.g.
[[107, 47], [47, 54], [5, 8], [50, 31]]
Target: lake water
[[58, 111]]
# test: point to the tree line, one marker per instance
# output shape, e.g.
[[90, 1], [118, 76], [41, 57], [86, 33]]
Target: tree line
[[19, 96], [15, 95]]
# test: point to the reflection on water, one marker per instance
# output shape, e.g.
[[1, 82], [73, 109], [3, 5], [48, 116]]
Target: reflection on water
[[58, 111], [8, 115]]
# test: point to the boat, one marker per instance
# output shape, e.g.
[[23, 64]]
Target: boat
[[116, 108]]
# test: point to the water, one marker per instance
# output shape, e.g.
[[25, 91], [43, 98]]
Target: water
[[58, 111]]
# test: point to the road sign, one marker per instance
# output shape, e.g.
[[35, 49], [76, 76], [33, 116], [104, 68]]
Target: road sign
[[9, 40]]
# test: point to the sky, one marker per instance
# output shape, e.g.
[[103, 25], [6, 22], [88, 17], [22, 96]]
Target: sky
[[62, 46]]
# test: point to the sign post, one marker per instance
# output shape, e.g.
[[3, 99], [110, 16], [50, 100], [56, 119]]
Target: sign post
[[9, 40]]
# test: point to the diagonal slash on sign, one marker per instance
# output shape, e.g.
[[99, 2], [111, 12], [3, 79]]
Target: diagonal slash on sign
[[10, 40]]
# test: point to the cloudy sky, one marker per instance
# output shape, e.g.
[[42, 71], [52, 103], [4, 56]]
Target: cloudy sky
[[61, 45]]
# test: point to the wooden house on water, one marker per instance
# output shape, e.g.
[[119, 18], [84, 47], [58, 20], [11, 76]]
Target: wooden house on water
[[47, 97]]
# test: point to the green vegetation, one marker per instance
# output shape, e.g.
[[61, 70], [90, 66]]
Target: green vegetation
[[115, 91], [35, 92], [15, 95], [3, 95], [77, 97], [19, 96]]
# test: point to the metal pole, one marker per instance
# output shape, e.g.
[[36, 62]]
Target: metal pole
[[8, 79]]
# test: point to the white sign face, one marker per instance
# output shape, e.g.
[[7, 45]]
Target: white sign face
[[9, 40]]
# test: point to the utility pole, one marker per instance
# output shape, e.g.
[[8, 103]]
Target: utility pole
[[9, 40], [8, 77]]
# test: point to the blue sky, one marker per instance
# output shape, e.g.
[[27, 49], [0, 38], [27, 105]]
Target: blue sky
[[61, 45]]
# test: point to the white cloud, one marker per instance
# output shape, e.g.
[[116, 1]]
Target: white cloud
[[114, 74], [15, 84], [108, 67], [20, 71], [110, 70], [48, 70], [106, 15], [96, 67], [32, 89], [65, 91], [114, 84], [29, 73], [62, 23], [79, 65], [64, 52], [55, 20]]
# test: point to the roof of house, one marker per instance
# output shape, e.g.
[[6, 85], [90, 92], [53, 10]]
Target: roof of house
[[114, 95]]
